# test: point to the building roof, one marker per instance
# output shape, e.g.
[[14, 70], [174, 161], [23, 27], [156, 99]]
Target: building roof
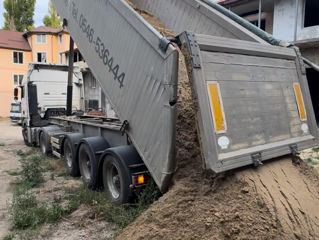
[[13, 40], [46, 30]]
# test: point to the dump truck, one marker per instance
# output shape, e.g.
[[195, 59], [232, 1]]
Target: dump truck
[[252, 97]]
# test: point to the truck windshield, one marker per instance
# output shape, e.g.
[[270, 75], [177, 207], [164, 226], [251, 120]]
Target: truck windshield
[[15, 108]]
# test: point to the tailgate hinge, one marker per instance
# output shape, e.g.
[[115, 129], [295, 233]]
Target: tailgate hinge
[[294, 149], [193, 48], [256, 157]]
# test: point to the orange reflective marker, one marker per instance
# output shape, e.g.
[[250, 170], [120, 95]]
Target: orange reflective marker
[[216, 107], [300, 102], [140, 179]]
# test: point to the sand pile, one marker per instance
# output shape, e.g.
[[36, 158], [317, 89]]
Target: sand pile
[[279, 200]]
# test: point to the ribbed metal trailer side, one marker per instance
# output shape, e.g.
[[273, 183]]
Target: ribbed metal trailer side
[[138, 77], [196, 16], [253, 100]]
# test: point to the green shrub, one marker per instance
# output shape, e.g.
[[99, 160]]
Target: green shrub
[[9, 237], [31, 171], [25, 210]]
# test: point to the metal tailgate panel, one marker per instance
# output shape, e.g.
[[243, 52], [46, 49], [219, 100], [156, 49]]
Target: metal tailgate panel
[[146, 96], [248, 108]]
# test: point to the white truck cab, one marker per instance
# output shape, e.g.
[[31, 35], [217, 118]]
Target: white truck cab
[[48, 83]]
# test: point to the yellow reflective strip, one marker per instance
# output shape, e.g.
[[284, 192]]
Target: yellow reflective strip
[[300, 102], [216, 106]]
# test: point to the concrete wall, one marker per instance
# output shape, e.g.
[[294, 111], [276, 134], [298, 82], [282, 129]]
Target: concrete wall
[[7, 70], [284, 21]]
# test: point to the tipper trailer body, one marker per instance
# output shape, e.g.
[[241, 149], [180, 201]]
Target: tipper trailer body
[[253, 101]]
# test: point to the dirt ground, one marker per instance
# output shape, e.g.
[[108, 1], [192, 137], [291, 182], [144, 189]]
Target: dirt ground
[[10, 137]]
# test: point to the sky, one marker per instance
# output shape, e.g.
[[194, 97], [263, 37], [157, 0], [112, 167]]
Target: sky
[[41, 9]]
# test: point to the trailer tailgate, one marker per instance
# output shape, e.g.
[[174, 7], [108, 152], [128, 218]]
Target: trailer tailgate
[[253, 100]]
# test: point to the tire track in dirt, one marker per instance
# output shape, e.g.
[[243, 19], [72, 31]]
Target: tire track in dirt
[[291, 194]]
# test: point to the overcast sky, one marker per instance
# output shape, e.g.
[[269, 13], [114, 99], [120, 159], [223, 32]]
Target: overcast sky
[[41, 9]]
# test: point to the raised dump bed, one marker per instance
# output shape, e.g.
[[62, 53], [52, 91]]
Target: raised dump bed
[[196, 16]]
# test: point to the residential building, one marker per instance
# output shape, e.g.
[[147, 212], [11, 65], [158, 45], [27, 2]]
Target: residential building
[[15, 55], [48, 44], [17, 50]]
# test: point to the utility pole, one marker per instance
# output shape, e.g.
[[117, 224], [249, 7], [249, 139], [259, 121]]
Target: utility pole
[[70, 79], [296, 20], [259, 14]]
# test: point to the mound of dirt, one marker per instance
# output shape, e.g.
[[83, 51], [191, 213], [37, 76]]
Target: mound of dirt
[[279, 200]]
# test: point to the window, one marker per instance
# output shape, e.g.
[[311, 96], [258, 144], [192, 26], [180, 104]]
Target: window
[[42, 57], [22, 92], [77, 57], [311, 13], [17, 80], [41, 38], [93, 104], [60, 39], [15, 108], [18, 57]]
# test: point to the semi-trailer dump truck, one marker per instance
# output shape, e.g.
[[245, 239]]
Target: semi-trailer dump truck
[[253, 101]]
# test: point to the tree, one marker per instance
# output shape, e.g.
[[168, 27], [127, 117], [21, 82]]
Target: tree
[[52, 19], [18, 15]]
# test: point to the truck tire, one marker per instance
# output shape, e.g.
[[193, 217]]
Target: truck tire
[[116, 175], [70, 159], [44, 143], [116, 180], [70, 155], [89, 154], [25, 136]]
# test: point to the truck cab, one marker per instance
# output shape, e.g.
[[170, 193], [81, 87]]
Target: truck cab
[[47, 84]]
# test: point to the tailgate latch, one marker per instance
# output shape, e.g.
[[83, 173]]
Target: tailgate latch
[[256, 157]]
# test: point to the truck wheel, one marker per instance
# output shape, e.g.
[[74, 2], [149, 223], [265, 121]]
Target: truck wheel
[[70, 159], [44, 144], [25, 136], [88, 166], [116, 180]]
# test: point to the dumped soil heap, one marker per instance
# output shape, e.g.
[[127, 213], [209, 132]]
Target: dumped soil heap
[[279, 200]]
